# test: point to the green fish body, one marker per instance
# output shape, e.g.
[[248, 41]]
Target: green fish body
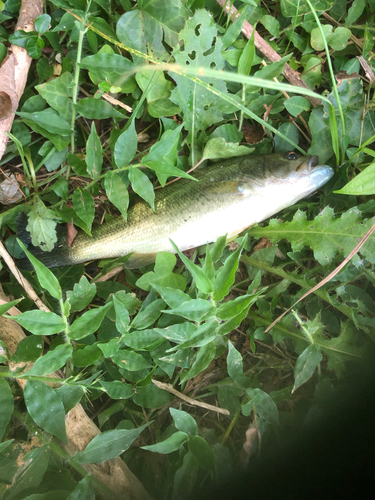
[[229, 197]]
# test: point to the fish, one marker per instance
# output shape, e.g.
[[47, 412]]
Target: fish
[[229, 197]]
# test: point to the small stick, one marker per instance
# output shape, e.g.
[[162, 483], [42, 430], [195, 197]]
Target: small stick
[[172, 390]]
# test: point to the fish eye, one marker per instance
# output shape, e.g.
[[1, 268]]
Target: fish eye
[[291, 155]]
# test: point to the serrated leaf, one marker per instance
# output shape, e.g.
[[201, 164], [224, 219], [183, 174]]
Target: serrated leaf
[[108, 445], [306, 364], [45, 408], [173, 443], [41, 225], [117, 192], [141, 185], [82, 294], [327, 235]]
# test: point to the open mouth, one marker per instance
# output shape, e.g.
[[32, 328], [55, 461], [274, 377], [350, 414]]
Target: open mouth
[[308, 164]]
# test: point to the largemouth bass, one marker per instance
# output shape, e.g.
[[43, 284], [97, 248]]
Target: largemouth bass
[[230, 196]]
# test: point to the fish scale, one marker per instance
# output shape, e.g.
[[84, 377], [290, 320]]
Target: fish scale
[[228, 197]]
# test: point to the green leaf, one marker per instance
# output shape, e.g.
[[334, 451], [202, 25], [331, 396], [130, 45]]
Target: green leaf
[[226, 275], [89, 322], [166, 169], [362, 184], [184, 422], [5, 307], [204, 357], [218, 248], [126, 146], [150, 396], [201, 280], [34, 46], [28, 349], [234, 362], [157, 90], [130, 360], [82, 294], [263, 405], [122, 316], [247, 56], [186, 476], [219, 148], [95, 109], [58, 94], [84, 206], [204, 334], [141, 185], [291, 8], [326, 235], [111, 68], [6, 405], [45, 408], [193, 310], [117, 389], [171, 296], [86, 356], [49, 120], [143, 340], [149, 315], [51, 361], [271, 24], [161, 149], [296, 105], [108, 445], [290, 131], [94, 154], [355, 12], [306, 364], [41, 225], [202, 452], [41, 23], [84, 489], [173, 443], [117, 192], [163, 274], [234, 30], [40, 322]]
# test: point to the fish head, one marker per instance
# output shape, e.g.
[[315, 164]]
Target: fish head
[[298, 175]]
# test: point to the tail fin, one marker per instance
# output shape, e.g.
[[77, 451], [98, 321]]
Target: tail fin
[[58, 256]]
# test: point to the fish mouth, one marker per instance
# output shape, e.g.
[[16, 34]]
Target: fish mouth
[[308, 164]]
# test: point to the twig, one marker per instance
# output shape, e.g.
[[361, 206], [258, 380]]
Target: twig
[[172, 390], [113, 272], [247, 29], [329, 277], [30, 292]]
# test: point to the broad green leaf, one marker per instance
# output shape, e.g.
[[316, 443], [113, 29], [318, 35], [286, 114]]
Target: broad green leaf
[[158, 90], [247, 56], [184, 422], [263, 405], [141, 185], [296, 105], [150, 396], [130, 360], [202, 452], [58, 94], [204, 357], [122, 316], [96, 109], [149, 315], [201, 280], [28, 349], [218, 248], [51, 361], [306, 365], [41, 23], [89, 322], [218, 148], [178, 333], [290, 8], [193, 310], [82, 294], [117, 191], [204, 334], [171, 296], [234, 362], [94, 154], [355, 12], [232, 308], [41, 225], [34, 46], [84, 206], [29, 475], [226, 275], [166, 169], [40, 322], [233, 30], [108, 445], [49, 120], [290, 131], [70, 395], [312, 71], [117, 389], [86, 356], [163, 274], [45, 408], [362, 184], [6, 405], [186, 476], [173, 443], [84, 489], [111, 68], [337, 39], [126, 146], [271, 24], [143, 340], [326, 235]]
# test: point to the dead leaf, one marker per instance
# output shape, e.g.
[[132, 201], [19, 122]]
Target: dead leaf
[[253, 133], [72, 233]]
